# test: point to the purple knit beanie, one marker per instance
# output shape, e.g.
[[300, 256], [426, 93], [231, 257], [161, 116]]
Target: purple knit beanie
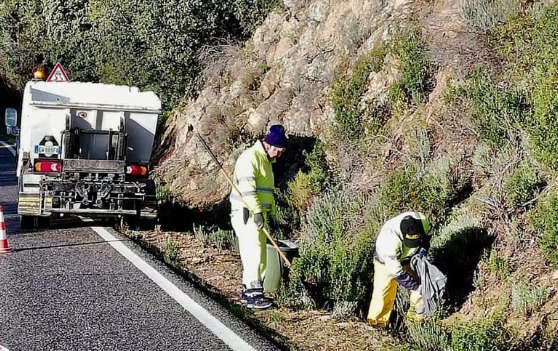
[[276, 136]]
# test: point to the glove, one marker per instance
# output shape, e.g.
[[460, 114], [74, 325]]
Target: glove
[[405, 280], [422, 252], [259, 220]]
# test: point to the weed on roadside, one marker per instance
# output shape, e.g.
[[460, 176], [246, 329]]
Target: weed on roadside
[[528, 297]]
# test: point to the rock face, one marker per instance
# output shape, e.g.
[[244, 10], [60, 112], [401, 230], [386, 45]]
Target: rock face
[[284, 74]]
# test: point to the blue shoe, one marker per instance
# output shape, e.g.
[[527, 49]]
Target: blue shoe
[[260, 303], [254, 298]]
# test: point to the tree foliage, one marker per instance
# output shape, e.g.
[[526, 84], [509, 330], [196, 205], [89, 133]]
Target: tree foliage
[[151, 44]]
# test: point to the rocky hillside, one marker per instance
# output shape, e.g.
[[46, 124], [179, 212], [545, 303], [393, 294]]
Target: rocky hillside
[[440, 106], [285, 74]]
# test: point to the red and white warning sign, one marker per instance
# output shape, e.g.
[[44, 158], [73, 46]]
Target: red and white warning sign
[[58, 74]]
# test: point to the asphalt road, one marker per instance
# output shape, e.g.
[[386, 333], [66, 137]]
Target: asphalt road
[[76, 287]]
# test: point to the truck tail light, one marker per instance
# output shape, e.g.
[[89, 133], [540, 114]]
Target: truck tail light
[[136, 170], [48, 166]]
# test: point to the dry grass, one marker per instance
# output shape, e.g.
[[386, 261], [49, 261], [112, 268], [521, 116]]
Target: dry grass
[[217, 60], [220, 271], [451, 41]]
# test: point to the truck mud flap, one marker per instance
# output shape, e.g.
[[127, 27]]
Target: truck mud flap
[[33, 205], [29, 204]]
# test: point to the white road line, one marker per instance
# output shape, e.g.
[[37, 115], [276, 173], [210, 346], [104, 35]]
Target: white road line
[[12, 150], [234, 341]]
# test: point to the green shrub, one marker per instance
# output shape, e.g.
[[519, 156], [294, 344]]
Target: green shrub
[[536, 75], [486, 15], [411, 188], [459, 221], [497, 265], [497, 112], [321, 175], [350, 257], [483, 15], [528, 297], [163, 194], [170, 253], [401, 190], [482, 159], [287, 213], [480, 334], [336, 248], [419, 144], [415, 67], [215, 237], [347, 93], [522, 185], [436, 188], [545, 219], [300, 191], [315, 176], [223, 239], [343, 310], [377, 57], [428, 336]]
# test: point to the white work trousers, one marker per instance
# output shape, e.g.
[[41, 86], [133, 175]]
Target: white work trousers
[[252, 245]]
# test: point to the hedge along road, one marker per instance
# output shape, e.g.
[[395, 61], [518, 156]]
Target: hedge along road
[[80, 287]]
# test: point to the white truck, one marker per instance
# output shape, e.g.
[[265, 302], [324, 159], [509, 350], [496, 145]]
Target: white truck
[[84, 149]]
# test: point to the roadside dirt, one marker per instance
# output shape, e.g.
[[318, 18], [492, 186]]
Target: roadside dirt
[[219, 271]]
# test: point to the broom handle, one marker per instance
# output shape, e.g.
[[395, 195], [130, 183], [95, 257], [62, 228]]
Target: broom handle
[[266, 232]]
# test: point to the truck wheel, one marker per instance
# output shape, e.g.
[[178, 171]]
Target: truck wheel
[[34, 222], [27, 222], [43, 222]]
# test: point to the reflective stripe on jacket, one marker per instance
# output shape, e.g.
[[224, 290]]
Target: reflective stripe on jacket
[[253, 175], [390, 248]]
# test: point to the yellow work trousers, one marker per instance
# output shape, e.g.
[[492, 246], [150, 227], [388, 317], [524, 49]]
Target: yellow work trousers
[[252, 246], [383, 298]]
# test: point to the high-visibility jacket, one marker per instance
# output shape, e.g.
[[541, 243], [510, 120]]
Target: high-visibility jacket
[[390, 248], [253, 176]]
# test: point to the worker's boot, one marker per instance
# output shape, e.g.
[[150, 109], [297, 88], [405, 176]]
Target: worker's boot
[[254, 298]]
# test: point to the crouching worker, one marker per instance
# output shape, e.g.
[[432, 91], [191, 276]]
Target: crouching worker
[[253, 208], [400, 238]]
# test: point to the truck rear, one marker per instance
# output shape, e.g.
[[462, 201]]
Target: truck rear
[[84, 149]]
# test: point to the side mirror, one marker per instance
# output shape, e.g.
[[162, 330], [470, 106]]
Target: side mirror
[[11, 117]]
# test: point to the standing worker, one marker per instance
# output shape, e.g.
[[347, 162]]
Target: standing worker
[[253, 176], [400, 238]]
